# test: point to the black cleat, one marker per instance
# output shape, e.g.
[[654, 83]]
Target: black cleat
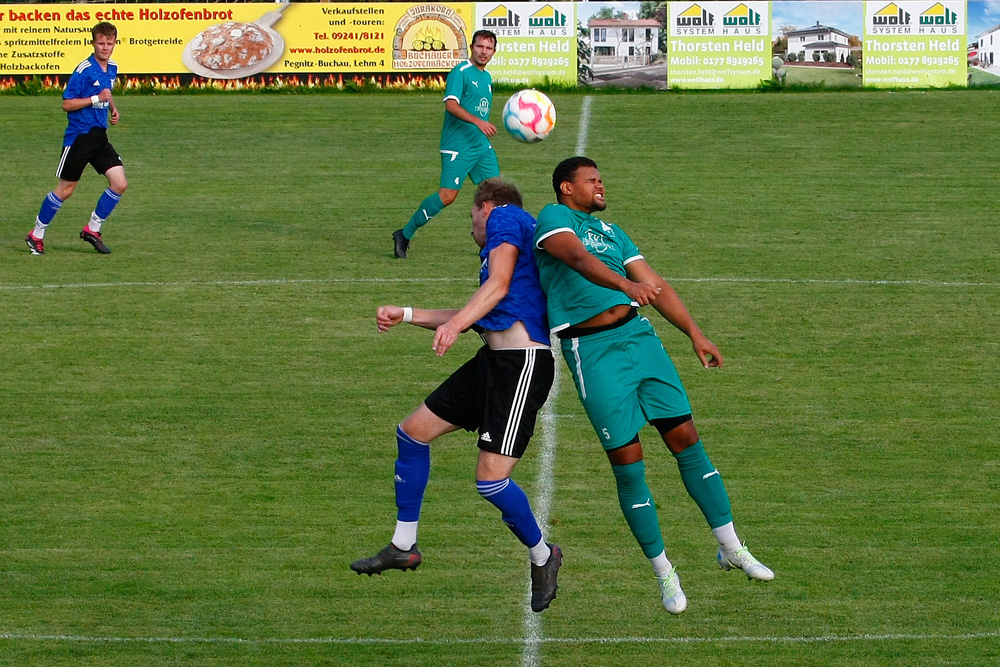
[[543, 580], [389, 558], [94, 239], [400, 244], [34, 245]]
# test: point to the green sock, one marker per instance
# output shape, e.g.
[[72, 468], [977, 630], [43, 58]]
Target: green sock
[[428, 209], [638, 507], [704, 484]]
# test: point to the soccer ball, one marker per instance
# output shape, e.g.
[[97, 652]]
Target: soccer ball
[[529, 116]]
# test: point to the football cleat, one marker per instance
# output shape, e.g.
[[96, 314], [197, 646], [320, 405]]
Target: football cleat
[[742, 559], [389, 558], [400, 244], [94, 239], [543, 580], [671, 593], [36, 246]]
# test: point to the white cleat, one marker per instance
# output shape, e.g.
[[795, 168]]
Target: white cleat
[[673, 597], [742, 559]]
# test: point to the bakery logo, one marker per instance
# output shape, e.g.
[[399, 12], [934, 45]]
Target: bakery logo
[[429, 37], [501, 18]]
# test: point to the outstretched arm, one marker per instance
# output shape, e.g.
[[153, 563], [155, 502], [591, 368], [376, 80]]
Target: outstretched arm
[[387, 317], [674, 311], [567, 248], [502, 260]]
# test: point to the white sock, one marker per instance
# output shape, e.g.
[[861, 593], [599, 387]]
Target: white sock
[[406, 535], [539, 554], [660, 564], [95, 226], [728, 540], [39, 232]]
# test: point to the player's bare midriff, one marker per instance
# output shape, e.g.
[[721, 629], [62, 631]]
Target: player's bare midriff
[[609, 316], [516, 337]]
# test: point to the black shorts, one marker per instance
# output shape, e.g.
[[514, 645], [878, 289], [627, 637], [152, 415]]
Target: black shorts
[[90, 148], [499, 394]]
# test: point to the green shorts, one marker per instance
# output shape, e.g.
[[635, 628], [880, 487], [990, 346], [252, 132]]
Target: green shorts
[[624, 379], [477, 165]]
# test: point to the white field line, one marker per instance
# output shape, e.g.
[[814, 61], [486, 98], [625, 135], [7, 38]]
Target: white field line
[[444, 641], [362, 280], [533, 636]]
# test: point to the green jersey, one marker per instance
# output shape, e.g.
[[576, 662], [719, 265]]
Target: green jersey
[[571, 297], [473, 89]]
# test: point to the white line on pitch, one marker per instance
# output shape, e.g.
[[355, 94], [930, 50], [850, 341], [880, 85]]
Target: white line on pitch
[[777, 639], [358, 281], [533, 637]]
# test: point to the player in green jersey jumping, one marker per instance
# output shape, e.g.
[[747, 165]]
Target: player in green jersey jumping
[[595, 278], [465, 136]]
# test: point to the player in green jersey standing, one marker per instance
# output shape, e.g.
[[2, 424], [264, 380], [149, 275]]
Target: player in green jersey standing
[[465, 136], [595, 278]]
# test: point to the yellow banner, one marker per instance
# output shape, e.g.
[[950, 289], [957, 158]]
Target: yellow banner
[[228, 41]]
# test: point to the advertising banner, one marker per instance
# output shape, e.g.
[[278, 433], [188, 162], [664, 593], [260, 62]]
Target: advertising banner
[[915, 44], [239, 40], [535, 40], [718, 44]]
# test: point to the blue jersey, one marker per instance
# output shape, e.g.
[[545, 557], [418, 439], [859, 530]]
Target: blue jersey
[[525, 300], [88, 79]]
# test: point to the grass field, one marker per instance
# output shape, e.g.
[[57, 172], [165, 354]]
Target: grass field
[[827, 76], [197, 430]]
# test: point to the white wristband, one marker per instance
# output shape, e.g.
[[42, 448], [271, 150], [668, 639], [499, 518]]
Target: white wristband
[[94, 100], [407, 314]]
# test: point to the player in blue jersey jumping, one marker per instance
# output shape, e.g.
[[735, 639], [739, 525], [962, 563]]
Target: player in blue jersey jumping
[[465, 136], [594, 279], [89, 107], [497, 393]]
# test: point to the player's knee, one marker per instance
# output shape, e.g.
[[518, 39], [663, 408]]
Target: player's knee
[[448, 196], [65, 190], [117, 181], [679, 437]]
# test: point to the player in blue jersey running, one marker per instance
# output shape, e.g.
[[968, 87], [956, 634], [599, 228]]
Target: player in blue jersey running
[[465, 136], [594, 279], [89, 107], [497, 393]]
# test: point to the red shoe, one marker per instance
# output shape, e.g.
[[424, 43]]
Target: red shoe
[[34, 245], [94, 239]]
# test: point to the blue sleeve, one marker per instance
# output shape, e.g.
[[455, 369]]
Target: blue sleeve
[[502, 227], [74, 88]]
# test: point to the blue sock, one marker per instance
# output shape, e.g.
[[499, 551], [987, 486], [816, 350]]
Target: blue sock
[[428, 209], [413, 468], [508, 497], [50, 206], [109, 199]]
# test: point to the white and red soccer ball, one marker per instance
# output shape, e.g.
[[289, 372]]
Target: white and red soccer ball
[[529, 116]]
